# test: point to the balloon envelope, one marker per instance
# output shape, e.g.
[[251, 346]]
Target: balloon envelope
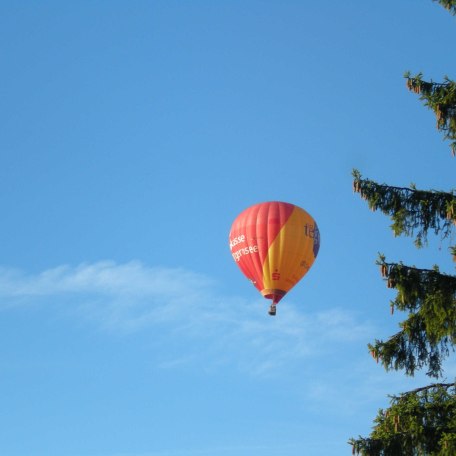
[[274, 244]]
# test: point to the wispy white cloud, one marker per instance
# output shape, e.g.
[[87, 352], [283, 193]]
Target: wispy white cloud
[[124, 297], [104, 277], [182, 307]]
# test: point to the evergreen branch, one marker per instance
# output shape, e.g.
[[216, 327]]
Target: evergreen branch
[[441, 98], [416, 285], [409, 350], [427, 387], [422, 421], [411, 210], [429, 331]]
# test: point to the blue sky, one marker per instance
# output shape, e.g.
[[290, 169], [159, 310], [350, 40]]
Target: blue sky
[[131, 136]]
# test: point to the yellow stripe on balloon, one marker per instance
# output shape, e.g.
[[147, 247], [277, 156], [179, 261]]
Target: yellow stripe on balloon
[[291, 253]]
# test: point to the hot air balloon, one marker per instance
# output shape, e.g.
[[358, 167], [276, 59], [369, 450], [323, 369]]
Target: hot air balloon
[[274, 244]]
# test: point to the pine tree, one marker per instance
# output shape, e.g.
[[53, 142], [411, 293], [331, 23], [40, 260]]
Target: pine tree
[[422, 421]]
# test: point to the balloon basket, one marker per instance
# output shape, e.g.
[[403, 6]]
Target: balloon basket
[[272, 310]]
